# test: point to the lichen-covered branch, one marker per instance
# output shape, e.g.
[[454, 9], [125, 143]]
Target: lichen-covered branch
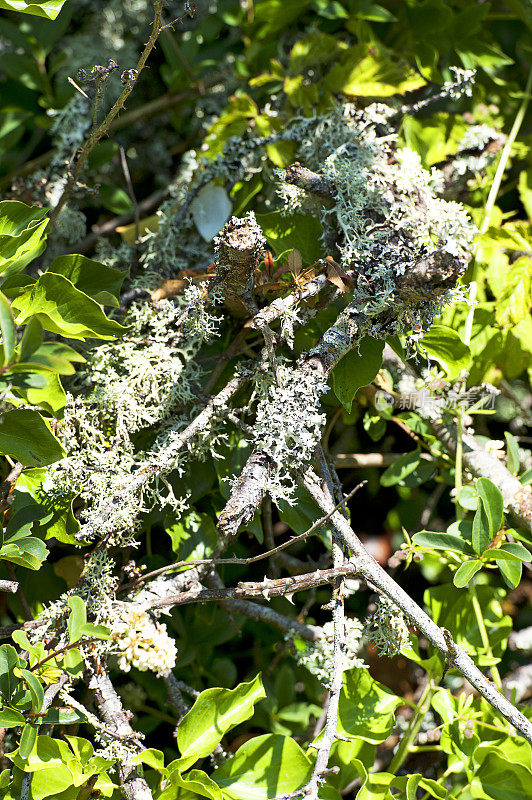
[[113, 715], [367, 568], [160, 463]]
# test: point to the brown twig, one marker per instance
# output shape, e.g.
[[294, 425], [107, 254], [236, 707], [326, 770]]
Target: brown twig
[[99, 131]]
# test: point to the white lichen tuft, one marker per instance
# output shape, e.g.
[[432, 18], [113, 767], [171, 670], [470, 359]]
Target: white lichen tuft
[[318, 656], [387, 628]]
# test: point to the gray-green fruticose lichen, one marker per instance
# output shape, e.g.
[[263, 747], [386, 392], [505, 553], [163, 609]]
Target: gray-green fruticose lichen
[[135, 393]]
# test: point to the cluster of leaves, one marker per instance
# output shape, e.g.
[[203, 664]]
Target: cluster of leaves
[[211, 83]]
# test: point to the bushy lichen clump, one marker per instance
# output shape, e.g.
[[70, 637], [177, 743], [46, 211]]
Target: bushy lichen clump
[[143, 383], [318, 657], [386, 213]]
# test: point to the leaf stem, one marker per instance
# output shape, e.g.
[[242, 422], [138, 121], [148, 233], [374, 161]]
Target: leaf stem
[[505, 155], [414, 725], [483, 632]]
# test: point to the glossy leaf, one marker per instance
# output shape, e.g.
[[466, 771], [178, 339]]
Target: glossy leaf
[[49, 9], [35, 688], [27, 437], [358, 368], [11, 718], [214, 713], [98, 281], [366, 707], [264, 767], [22, 230], [465, 572], [437, 540], [445, 346], [63, 309], [7, 327]]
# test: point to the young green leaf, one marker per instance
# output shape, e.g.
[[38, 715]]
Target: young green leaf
[[513, 461], [465, 572], [7, 327], [492, 500], [264, 767], [444, 345], [437, 540], [35, 689], [49, 9]]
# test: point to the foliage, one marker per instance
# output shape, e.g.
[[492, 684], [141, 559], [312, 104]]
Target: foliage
[[128, 668]]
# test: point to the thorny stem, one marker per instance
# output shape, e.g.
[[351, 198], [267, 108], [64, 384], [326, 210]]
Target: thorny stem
[[414, 725], [97, 133], [215, 561], [505, 155]]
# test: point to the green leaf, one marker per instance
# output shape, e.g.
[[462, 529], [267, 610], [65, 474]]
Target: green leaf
[[372, 72], [366, 707], [511, 571], [36, 385], [401, 469], [51, 516], [498, 779], [444, 345], [441, 541], [297, 231], [193, 536], [31, 339], [488, 518], [49, 9], [27, 437], [453, 609], [481, 531], [514, 303], [26, 551], [465, 572], [11, 718], [214, 713], [9, 661], [468, 498], [98, 281], [73, 662], [152, 758], [27, 741], [63, 309], [78, 626], [7, 327], [21, 233], [195, 781], [264, 767], [64, 716], [35, 689], [513, 460], [357, 368], [57, 356], [517, 550]]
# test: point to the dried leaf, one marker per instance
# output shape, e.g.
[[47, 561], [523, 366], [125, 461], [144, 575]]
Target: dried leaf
[[336, 275]]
